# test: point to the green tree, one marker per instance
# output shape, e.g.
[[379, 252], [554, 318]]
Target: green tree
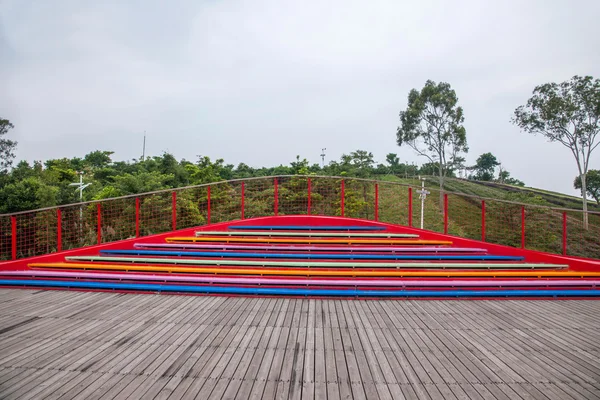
[[7, 147], [98, 159], [432, 126], [484, 167], [567, 113], [504, 177], [592, 180]]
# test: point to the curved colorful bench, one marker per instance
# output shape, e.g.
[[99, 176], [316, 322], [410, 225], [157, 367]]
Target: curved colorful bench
[[301, 259]]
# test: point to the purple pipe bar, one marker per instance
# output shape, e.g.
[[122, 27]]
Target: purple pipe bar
[[303, 281], [347, 249]]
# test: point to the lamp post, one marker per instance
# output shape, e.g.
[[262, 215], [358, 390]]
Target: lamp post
[[422, 195], [80, 186]]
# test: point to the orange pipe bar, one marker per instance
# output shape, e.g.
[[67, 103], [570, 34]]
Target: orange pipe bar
[[307, 240], [318, 272]]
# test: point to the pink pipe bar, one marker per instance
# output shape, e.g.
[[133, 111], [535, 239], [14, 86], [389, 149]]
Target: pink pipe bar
[[348, 249], [303, 281]]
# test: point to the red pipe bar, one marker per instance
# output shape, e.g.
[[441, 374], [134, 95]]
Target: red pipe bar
[[342, 198], [137, 217], [208, 205], [445, 213], [99, 222], [410, 207], [376, 202], [243, 197], [174, 210], [13, 238], [58, 230], [522, 227], [564, 233], [276, 194], [309, 196], [483, 220]]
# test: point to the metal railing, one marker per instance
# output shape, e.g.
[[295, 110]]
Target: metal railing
[[48, 230]]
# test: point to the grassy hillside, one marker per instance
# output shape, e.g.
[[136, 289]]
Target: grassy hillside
[[544, 226]]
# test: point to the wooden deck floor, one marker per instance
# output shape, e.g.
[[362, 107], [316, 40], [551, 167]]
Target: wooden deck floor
[[57, 344]]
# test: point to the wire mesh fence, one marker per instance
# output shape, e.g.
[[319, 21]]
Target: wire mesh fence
[[532, 227]]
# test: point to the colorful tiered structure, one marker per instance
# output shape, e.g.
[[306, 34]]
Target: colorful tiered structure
[[309, 256]]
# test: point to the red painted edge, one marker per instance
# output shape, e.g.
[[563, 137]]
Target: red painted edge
[[276, 197], [410, 207], [376, 202], [137, 217], [58, 229], [309, 196], [564, 233], [342, 198], [13, 237], [99, 222], [483, 220], [576, 263], [174, 210], [243, 198]]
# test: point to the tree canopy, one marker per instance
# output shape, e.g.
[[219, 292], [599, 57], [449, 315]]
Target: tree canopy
[[567, 113], [432, 125], [7, 147], [592, 179], [485, 167]]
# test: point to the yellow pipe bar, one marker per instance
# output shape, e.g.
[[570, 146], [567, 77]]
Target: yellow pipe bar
[[312, 272], [308, 240]]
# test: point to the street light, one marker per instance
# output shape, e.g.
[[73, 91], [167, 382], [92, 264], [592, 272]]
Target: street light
[[80, 185]]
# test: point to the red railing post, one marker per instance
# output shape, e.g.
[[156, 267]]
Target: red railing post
[[309, 196], [445, 213], [174, 210], [208, 205], [99, 222], [243, 197], [410, 213], [13, 238], [564, 233], [58, 230], [522, 227], [483, 220], [343, 198], [276, 197], [376, 202], [137, 217]]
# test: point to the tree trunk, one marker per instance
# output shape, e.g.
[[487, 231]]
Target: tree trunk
[[584, 195], [441, 189]]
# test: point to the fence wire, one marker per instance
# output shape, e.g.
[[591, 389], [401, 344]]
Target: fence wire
[[517, 225]]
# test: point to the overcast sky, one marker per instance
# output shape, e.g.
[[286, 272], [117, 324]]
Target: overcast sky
[[261, 81]]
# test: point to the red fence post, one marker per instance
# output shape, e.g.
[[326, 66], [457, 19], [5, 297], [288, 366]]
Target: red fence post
[[276, 197], [445, 213], [343, 197], [174, 210], [522, 227], [564, 233], [137, 217], [58, 230], [243, 197], [376, 202], [99, 222], [309, 195], [13, 238], [410, 206], [483, 220], [208, 204]]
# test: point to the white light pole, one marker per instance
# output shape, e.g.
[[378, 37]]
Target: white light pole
[[422, 195], [80, 186]]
